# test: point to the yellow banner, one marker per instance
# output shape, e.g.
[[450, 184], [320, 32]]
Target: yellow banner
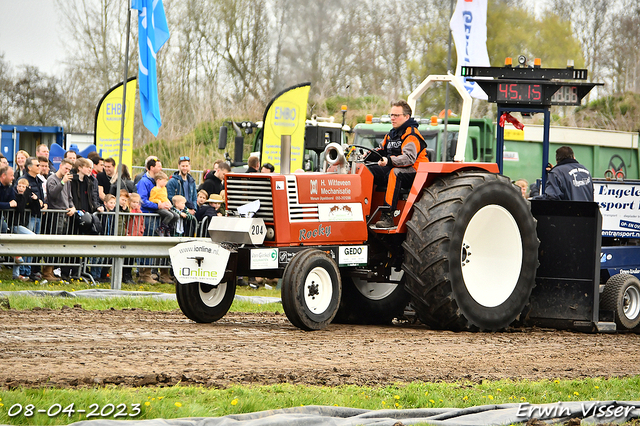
[[286, 115], [108, 124]]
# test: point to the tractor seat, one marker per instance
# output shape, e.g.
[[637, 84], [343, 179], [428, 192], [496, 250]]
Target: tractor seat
[[404, 192]]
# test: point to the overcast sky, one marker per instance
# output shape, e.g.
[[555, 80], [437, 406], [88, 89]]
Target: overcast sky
[[29, 34]]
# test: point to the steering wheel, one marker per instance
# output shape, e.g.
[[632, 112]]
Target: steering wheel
[[371, 150]]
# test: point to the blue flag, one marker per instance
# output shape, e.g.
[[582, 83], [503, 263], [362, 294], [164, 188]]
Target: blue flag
[[153, 33]]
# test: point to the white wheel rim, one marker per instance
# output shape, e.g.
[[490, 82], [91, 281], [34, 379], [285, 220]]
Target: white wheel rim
[[491, 255], [631, 303], [375, 290], [318, 290], [213, 297]]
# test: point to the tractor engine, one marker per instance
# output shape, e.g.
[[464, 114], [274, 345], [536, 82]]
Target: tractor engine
[[306, 209]]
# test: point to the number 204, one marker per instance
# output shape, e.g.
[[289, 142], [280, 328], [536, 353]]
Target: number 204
[[257, 229]]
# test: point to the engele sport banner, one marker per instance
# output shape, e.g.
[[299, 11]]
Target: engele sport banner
[[620, 208], [469, 29], [286, 114], [108, 123]]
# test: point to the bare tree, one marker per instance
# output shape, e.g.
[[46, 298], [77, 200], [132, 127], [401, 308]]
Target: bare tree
[[7, 92], [38, 100], [245, 43], [592, 26], [229, 57], [624, 57], [95, 58], [191, 65]]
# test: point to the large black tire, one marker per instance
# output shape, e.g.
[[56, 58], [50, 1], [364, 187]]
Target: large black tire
[[622, 295], [471, 252], [204, 303], [311, 290], [371, 303]]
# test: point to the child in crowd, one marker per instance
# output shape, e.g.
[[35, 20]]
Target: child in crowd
[[135, 228], [127, 272], [124, 208], [110, 202], [157, 195], [217, 202], [212, 207], [524, 187], [109, 206], [185, 225], [135, 225], [99, 273], [27, 201], [203, 196], [124, 201]]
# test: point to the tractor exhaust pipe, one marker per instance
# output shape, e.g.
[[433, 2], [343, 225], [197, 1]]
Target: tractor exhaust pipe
[[334, 156], [285, 154]]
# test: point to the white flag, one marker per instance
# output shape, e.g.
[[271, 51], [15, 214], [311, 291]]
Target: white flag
[[469, 28]]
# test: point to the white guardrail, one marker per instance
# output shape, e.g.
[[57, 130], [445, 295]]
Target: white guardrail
[[115, 247]]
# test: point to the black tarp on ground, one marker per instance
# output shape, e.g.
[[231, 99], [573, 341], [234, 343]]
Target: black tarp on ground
[[590, 412]]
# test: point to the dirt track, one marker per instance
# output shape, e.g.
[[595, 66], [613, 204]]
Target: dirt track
[[74, 347]]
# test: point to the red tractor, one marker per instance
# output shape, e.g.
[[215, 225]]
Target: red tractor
[[465, 250], [469, 251]]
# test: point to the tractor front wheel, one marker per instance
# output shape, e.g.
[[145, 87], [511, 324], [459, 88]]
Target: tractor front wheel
[[471, 252], [311, 290], [205, 303]]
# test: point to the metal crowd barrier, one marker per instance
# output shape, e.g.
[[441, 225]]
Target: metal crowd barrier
[[61, 243]]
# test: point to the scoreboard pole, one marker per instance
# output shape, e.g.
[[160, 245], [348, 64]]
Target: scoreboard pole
[[504, 108]]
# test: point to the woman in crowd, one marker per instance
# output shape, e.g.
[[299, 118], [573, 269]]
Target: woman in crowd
[[21, 168], [125, 181]]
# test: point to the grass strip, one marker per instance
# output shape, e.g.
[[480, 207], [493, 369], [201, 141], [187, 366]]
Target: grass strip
[[25, 302], [61, 405]]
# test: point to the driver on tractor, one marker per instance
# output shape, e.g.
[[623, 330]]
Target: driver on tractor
[[403, 148]]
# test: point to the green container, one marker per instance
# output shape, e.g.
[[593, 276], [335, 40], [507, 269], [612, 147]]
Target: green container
[[598, 150]]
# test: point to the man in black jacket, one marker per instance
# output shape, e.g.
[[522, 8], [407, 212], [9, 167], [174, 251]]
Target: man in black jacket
[[7, 197], [84, 191], [214, 181], [35, 222], [253, 164], [33, 170], [84, 188], [568, 180], [104, 177]]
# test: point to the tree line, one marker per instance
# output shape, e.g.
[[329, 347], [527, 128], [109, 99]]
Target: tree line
[[228, 58]]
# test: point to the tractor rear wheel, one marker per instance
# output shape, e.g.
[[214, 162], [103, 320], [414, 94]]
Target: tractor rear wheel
[[371, 303], [311, 290], [622, 295], [471, 252], [204, 303]]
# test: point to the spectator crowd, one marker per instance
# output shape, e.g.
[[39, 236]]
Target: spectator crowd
[[81, 197]]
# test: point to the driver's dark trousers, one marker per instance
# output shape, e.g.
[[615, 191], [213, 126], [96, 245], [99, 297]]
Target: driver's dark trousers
[[393, 178]]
